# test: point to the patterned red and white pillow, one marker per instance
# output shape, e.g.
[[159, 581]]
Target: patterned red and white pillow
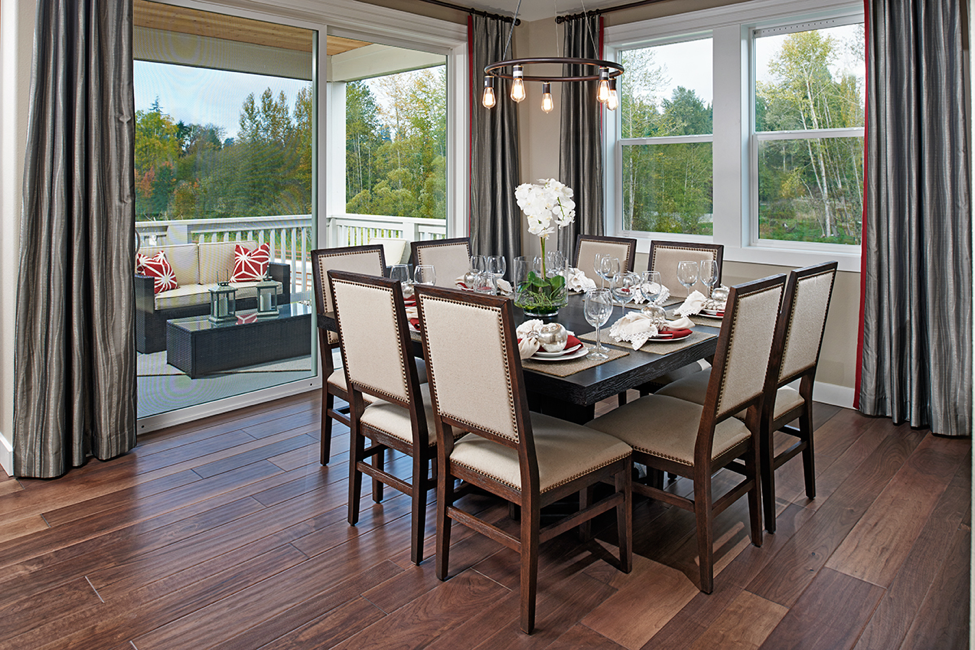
[[250, 265], [158, 268]]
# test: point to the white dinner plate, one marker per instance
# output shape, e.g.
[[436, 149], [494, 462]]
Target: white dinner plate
[[542, 354], [656, 340], [581, 352], [711, 313]]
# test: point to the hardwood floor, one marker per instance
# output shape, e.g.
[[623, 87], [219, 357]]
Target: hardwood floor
[[227, 533]]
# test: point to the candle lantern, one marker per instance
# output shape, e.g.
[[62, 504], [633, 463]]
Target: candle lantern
[[223, 303], [267, 298]]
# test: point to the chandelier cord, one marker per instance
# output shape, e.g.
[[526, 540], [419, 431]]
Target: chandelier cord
[[510, 31], [592, 39]]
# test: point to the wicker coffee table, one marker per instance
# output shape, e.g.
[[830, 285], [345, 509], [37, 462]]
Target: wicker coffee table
[[198, 347]]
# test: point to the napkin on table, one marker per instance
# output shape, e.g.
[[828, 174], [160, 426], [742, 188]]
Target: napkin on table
[[504, 286], [693, 304], [528, 343], [637, 328], [576, 280]]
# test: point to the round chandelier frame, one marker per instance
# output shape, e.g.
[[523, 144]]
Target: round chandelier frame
[[497, 69]]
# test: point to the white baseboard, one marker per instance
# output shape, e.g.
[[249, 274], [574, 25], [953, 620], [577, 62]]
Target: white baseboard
[[833, 394], [163, 420], [6, 455]]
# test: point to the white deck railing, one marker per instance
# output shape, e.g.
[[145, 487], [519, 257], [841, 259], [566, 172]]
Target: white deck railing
[[290, 237]]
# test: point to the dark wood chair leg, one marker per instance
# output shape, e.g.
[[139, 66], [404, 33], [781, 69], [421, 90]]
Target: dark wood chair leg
[[624, 519], [705, 531], [355, 476], [445, 498], [419, 507], [767, 471], [530, 521], [752, 464], [808, 457], [621, 398], [514, 511], [328, 404], [377, 485], [585, 499]]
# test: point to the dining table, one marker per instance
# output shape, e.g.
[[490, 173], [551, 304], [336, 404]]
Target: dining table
[[573, 397]]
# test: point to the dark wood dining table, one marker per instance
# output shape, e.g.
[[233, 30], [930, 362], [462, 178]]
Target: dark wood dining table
[[574, 397]]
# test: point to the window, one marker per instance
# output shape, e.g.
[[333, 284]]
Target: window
[[665, 143], [741, 125], [808, 159]]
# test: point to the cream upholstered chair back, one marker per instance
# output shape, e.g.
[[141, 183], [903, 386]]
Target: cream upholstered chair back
[[474, 370], [368, 260], [665, 255], [450, 258], [745, 346], [811, 289], [374, 335], [589, 246]]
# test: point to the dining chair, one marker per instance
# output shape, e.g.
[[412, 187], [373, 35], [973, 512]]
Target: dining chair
[[795, 356], [530, 460], [666, 255], [451, 258], [589, 246], [360, 259], [377, 356], [695, 441]]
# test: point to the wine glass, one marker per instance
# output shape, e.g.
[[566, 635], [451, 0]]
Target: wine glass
[[651, 288], [607, 266], [624, 288], [401, 273], [496, 265], [424, 274], [687, 274], [598, 307], [709, 274], [478, 265]]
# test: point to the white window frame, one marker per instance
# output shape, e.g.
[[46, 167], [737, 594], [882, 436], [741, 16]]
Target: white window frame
[[658, 140], [734, 143]]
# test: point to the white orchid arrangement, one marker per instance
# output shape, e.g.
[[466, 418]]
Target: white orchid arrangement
[[548, 205]]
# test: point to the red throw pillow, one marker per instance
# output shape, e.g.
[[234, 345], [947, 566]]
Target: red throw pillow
[[158, 268], [250, 265]]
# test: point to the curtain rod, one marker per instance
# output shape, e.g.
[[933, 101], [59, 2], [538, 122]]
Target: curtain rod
[[596, 12], [471, 10]]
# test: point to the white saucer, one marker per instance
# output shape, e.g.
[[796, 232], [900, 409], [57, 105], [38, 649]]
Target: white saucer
[[541, 354], [581, 352]]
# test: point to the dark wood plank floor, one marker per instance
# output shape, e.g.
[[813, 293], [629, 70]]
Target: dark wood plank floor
[[227, 533]]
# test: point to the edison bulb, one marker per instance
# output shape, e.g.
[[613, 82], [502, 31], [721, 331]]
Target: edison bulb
[[547, 102], [614, 99], [488, 99], [602, 93], [518, 85]]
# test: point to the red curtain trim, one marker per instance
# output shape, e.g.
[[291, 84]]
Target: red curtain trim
[[863, 218]]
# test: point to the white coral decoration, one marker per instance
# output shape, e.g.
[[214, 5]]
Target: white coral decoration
[[547, 204]]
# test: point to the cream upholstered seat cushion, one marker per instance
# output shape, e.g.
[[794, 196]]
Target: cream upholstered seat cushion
[[183, 258], [218, 256], [666, 427], [565, 451], [199, 294], [394, 419], [694, 388]]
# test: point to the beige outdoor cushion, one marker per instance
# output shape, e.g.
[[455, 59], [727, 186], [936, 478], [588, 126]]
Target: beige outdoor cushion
[[219, 255], [183, 259], [666, 427], [198, 294], [395, 251], [394, 419], [565, 451], [694, 388]]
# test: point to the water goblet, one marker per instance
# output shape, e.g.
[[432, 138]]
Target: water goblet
[[424, 274], [598, 307], [624, 288], [687, 274], [401, 272], [496, 265], [709, 274], [608, 266]]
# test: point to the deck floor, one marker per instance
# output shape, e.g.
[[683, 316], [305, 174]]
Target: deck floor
[[227, 533]]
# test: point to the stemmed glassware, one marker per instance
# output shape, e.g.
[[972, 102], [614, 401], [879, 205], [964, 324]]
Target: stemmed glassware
[[598, 307], [624, 287], [496, 265], [401, 272], [606, 266], [709, 274], [424, 274], [651, 288], [687, 274]]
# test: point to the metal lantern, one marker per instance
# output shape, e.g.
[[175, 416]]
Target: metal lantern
[[267, 298], [223, 304]]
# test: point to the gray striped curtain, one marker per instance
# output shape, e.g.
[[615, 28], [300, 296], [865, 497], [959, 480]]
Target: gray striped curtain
[[495, 220], [74, 364], [917, 265], [581, 158]]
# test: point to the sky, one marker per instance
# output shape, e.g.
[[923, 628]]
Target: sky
[[204, 96]]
